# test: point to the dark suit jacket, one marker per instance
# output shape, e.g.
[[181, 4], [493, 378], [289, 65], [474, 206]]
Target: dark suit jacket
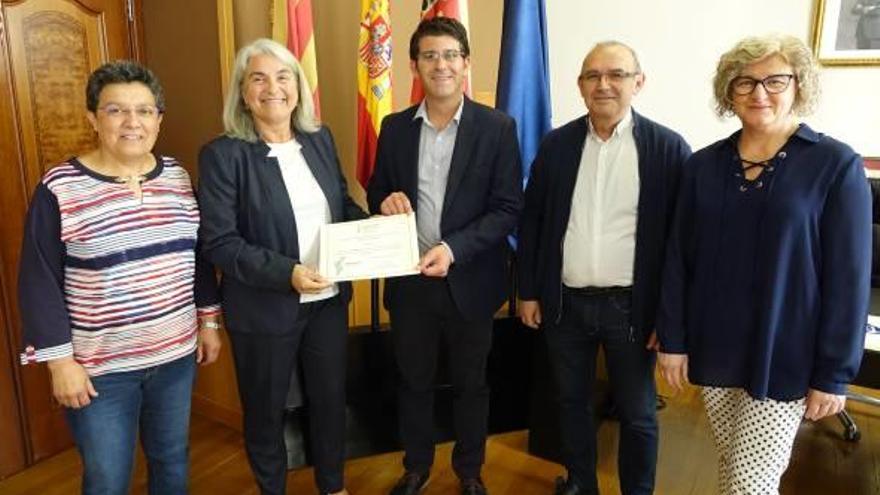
[[482, 203], [248, 228], [661, 153]]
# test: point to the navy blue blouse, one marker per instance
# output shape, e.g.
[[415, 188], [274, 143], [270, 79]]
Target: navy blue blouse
[[766, 282]]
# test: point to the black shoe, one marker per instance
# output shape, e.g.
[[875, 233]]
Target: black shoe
[[567, 487], [410, 483], [473, 486]]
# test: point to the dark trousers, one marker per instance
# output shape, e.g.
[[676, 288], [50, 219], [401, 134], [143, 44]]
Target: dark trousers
[[587, 322], [263, 365], [422, 313]]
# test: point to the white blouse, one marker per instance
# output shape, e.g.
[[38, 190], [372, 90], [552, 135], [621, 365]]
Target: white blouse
[[310, 207]]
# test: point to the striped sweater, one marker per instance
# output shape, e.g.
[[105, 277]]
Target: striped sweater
[[111, 279]]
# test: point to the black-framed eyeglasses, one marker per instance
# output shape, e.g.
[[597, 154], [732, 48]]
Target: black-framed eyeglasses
[[447, 55], [613, 76], [773, 84]]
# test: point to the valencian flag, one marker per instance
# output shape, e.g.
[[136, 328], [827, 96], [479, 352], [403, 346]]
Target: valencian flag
[[457, 9], [293, 27], [523, 90], [374, 81]]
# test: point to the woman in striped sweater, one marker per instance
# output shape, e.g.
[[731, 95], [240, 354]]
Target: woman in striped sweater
[[111, 293]]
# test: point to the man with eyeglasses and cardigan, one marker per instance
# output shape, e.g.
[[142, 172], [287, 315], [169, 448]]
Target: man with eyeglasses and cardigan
[[456, 164], [597, 208]]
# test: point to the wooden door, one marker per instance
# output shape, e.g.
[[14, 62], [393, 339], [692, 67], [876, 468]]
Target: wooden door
[[47, 50], [13, 453]]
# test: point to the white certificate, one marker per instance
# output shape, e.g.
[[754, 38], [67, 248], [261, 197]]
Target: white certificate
[[385, 246]]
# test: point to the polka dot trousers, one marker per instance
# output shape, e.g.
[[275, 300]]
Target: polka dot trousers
[[753, 439]]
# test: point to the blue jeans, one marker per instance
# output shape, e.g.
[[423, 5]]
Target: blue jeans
[[153, 401], [587, 322]]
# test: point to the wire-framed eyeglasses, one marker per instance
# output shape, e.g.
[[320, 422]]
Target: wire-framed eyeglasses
[[447, 55]]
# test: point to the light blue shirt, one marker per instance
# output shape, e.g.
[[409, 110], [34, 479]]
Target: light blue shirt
[[435, 157]]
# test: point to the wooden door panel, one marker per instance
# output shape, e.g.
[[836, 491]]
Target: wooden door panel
[[49, 49], [13, 454], [54, 46]]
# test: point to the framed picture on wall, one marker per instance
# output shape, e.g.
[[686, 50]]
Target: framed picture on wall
[[847, 32]]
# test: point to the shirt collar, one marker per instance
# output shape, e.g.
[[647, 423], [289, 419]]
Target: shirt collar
[[803, 131], [624, 125], [422, 113]]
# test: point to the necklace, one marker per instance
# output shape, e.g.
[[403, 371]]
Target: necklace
[[133, 182], [132, 175]]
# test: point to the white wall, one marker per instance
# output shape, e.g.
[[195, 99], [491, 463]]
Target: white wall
[[679, 42]]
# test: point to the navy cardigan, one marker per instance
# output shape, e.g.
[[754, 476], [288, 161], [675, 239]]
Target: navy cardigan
[[811, 275], [661, 154]]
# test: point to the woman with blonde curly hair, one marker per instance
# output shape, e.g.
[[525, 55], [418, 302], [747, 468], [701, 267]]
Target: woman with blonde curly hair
[[766, 283]]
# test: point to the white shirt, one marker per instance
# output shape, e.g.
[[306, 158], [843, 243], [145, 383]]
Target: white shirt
[[600, 241], [310, 207]]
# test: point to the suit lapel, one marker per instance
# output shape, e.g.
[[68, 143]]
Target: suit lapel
[[464, 143], [319, 163], [409, 146], [272, 185]]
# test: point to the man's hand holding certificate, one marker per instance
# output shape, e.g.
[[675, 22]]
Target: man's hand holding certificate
[[377, 247]]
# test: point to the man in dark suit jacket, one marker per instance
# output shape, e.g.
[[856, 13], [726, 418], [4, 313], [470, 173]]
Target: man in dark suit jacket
[[591, 241], [456, 164]]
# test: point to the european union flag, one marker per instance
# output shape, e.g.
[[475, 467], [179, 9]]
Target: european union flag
[[523, 90]]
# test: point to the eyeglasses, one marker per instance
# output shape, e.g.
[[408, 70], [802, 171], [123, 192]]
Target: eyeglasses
[[447, 55], [773, 84], [613, 76], [143, 112]]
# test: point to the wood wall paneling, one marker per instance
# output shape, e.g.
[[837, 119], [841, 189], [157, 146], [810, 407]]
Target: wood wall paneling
[[185, 55], [189, 59]]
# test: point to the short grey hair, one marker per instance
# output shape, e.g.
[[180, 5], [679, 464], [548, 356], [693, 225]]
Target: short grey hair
[[615, 43], [756, 48], [237, 119]]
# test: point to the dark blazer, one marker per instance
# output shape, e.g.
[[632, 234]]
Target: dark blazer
[[482, 203], [661, 153], [248, 228]]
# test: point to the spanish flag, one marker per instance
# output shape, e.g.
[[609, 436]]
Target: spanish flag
[[457, 9], [292, 26], [374, 81]]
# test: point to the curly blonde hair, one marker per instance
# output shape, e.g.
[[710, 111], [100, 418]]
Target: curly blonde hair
[[756, 48]]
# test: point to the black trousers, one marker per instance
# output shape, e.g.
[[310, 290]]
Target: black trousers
[[263, 365], [422, 313]]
